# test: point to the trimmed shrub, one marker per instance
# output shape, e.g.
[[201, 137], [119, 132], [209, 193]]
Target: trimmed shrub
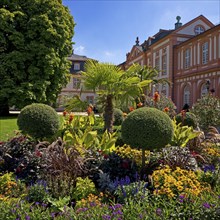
[[118, 116], [147, 128], [189, 119], [38, 120]]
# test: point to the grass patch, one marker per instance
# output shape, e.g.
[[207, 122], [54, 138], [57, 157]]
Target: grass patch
[[8, 126]]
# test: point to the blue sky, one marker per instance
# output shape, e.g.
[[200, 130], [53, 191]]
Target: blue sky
[[107, 29]]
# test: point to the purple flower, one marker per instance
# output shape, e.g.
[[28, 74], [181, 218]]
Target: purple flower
[[106, 217], [206, 205], [182, 196], [118, 206], [118, 212], [27, 217], [159, 211], [53, 214], [81, 210], [92, 204], [44, 204], [210, 168]]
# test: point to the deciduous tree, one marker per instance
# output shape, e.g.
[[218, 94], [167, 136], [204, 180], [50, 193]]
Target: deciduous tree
[[35, 39]]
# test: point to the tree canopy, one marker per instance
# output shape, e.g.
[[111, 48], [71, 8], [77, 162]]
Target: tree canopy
[[35, 40]]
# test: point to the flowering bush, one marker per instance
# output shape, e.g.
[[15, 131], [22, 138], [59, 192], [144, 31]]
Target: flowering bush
[[127, 152], [173, 183]]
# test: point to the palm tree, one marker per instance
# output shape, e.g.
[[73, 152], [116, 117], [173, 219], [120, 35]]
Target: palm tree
[[110, 82]]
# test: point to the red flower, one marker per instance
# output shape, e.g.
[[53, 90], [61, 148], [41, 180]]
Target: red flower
[[64, 113], [105, 156], [18, 170], [125, 164], [38, 153]]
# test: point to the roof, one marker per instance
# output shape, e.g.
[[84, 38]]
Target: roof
[[159, 35], [75, 57]]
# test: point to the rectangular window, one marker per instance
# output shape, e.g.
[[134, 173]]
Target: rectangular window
[[164, 64], [157, 64], [187, 58], [205, 53], [76, 66], [76, 83]]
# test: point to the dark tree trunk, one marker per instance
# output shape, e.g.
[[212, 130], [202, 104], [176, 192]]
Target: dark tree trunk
[[4, 107], [143, 164], [108, 114]]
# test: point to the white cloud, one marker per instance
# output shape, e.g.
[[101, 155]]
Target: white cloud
[[109, 54], [79, 50]]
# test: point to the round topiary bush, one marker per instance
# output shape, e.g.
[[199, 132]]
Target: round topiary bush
[[118, 116], [38, 120], [147, 128], [188, 119]]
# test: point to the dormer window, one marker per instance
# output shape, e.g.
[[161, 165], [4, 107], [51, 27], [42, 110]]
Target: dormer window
[[199, 29], [76, 66]]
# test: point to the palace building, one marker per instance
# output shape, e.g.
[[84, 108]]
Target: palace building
[[75, 85], [188, 55]]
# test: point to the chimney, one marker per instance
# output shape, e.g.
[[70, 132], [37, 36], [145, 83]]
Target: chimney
[[178, 24]]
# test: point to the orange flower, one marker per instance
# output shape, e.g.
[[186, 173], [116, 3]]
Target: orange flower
[[89, 110], [166, 109], [139, 104], [71, 117], [131, 109], [156, 97]]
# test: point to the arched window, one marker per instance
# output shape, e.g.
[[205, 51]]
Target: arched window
[[186, 95], [204, 90], [199, 29]]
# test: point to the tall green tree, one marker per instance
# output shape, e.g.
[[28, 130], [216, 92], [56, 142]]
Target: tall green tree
[[110, 82], [35, 40]]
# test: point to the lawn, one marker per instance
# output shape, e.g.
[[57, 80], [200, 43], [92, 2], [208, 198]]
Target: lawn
[[8, 126]]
